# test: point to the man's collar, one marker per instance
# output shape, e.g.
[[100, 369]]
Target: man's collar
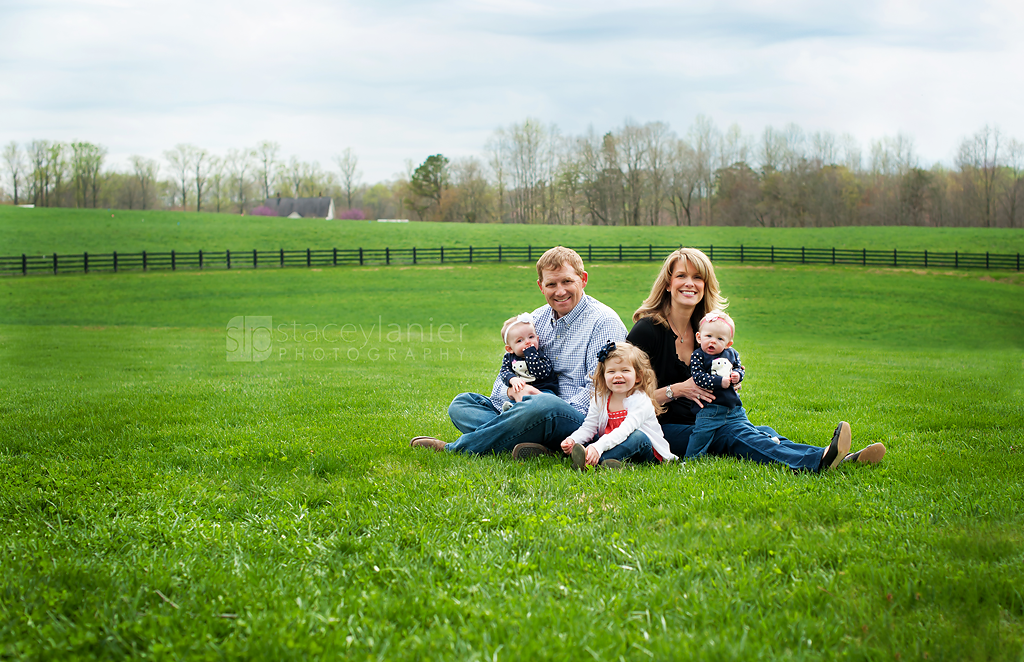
[[573, 314]]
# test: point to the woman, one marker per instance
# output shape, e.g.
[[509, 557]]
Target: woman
[[685, 290]]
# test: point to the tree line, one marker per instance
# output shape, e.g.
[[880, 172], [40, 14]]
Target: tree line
[[637, 174]]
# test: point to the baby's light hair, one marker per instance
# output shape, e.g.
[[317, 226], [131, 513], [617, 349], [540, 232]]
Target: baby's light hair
[[718, 316], [521, 318], [646, 380]]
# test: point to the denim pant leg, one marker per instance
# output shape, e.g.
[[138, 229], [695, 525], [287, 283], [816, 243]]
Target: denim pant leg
[[678, 437], [739, 438], [541, 419], [636, 449], [470, 411], [710, 419]]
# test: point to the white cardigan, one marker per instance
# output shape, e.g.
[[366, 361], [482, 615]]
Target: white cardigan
[[640, 415]]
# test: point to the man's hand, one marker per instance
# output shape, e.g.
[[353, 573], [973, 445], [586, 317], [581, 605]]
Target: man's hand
[[516, 384]]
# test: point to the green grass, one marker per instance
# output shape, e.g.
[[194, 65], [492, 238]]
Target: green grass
[[44, 231], [159, 501]]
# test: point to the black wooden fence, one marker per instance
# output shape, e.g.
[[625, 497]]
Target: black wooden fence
[[256, 259]]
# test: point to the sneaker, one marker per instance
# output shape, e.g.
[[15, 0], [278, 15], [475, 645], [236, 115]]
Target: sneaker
[[611, 464], [579, 457], [838, 449], [872, 454], [526, 451], [427, 442], [505, 407]]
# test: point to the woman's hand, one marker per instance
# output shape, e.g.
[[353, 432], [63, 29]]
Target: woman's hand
[[690, 391], [517, 396]]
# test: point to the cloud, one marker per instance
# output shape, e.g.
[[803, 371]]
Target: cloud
[[402, 80]]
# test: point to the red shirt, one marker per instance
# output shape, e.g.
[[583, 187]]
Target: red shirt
[[615, 418]]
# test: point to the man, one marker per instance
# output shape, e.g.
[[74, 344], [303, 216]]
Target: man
[[571, 327]]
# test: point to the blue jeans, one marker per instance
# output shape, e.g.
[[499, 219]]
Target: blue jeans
[[733, 435], [540, 419], [636, 448]]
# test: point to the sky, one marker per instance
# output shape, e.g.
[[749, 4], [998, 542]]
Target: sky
[[397, 81]]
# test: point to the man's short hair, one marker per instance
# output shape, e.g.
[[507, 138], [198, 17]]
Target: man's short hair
[[556, 258]]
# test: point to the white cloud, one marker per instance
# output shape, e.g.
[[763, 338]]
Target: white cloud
[[402, 80]]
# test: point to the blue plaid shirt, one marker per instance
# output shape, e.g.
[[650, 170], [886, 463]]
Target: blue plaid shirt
[[571, 342]]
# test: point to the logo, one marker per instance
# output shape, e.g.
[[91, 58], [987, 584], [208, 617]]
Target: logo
[[250, 338]]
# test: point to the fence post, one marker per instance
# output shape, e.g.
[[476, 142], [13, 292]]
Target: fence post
[[387, 256], [144, 265], [711, 252], [335, 256], [590, 252], [414, 255], [254, 258], [956, 259], [620, 252], [442, 255], [773, 253], [54, 264], [894, 262], [986, 259], [24, 264], [529, 252], [864, 257], [85, 262], [926, 259], [282, 257], [833, 256], [1018, 261], [173, 262], [309, 257], [200, 259], [471, 255], [650, 252], [741, 253], [361, 256], [803, 258], [499, 252], [228, 254]]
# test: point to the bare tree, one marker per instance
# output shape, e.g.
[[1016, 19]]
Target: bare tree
[[704, 138], [238, 163], [266, 157], [978, 160], [181, 160], [86, 161], [202, 164], [684, 181], [216, 181], [15, 162], [348, 165], [1014, 166], [146, 172]]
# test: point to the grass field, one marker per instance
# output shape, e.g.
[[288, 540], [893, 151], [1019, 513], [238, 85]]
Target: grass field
[[44, 231], [160, 501]]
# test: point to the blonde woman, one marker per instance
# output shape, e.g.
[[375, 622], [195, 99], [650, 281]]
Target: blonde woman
[[686, 290]]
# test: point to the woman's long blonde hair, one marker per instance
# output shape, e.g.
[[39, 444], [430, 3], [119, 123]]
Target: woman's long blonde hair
[[646, 380], [659, 302]]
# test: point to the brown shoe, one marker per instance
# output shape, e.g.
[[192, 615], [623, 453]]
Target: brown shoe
[[611, 464], [427, 442], [526, 451], [872, 454], [579, 457], [838, 449]]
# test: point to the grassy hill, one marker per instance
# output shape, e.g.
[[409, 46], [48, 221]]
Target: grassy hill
[[44, 231], [159, 500]]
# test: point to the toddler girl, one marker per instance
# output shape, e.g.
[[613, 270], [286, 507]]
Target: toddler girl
[[622, 420]]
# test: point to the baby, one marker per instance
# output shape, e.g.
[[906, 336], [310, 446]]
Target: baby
[[524, 363]]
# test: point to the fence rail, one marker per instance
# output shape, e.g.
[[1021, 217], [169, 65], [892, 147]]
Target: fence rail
[[256, 259]]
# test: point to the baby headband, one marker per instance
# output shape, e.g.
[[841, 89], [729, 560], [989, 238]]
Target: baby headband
[[715, 316], [602, 354], [521, 318]]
